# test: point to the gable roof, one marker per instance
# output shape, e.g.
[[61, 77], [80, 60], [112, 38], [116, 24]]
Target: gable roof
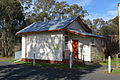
[[56, 25], [50, 25]]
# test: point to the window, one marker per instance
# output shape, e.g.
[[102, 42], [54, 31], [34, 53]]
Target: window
[[93, 42]]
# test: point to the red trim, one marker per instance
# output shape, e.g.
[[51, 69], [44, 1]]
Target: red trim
[[39, 31], [61, 30], [82, 34], [51, 61]]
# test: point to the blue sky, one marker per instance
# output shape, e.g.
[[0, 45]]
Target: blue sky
[[106, 9]]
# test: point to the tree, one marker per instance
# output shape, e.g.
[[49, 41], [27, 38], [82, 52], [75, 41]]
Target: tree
[[75, 10], [111, 28], [11, 17], [51, 9], [96, 25], [111, 31]]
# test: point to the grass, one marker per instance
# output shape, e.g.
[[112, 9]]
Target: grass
[[116, 71], [7, 59], [62, 66], [113, 71], [113, 62], [48, 65]]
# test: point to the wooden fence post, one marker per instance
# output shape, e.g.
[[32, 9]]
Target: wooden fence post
[[33, 59], [70, 60], [116, 60], [109, 64]]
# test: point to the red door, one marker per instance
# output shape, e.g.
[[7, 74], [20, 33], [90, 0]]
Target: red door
[[75, 49]]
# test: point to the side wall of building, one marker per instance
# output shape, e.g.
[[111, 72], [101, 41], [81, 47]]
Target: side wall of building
[[45, 46], [84, 48], [97, 49], [87, 50]]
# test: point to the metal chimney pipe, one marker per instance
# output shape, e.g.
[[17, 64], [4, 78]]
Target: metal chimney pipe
[[119, 23], [45, 19]]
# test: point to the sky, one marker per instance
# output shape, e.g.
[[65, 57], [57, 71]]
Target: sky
[[105, 9]]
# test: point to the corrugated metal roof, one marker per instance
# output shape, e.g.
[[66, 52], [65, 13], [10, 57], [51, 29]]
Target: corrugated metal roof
[[86, 34], [50, 25], [53, 25]]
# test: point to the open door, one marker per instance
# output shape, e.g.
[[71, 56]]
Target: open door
[[75, 49]]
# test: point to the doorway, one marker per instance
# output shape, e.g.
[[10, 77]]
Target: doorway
[[75, 49]]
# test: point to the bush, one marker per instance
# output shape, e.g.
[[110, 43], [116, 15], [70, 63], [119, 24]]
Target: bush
[[100, 57]]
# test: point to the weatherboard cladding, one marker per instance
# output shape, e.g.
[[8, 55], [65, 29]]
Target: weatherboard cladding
[[54, 25]]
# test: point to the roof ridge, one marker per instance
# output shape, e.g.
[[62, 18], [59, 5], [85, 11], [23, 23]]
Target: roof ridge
[[49, 25]]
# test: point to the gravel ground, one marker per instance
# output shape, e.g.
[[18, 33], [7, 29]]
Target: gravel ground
[[22, 72]]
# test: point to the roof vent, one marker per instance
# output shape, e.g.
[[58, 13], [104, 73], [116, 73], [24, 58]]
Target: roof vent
[[45, 19]]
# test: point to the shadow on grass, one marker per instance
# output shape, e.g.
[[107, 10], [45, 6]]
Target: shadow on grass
[[19, 71]]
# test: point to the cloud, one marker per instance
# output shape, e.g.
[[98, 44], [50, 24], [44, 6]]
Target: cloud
[[80, 2], [106, 16], [84, 2], [112, 12]]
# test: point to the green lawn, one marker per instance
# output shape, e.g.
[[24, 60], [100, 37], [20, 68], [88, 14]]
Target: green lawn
[[116, 71], [65, 66], [7, 59], [113, 62], [62, 66]]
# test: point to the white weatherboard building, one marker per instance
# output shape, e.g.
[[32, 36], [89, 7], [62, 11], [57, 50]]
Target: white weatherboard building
[[53, 41]]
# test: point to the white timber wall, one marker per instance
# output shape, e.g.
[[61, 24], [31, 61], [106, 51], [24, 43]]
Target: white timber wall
[[76, 26], [83, 42], [84, 47], [23, 46], [96, 49], [45, 46]]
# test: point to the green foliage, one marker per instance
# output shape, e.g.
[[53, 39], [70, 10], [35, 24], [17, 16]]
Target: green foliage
[[111, 27], [110, 31], [96, 25], [101, 27], [116, 71], [99, 58], [51, 9], [14, 14], [113, 61], [11, 16]]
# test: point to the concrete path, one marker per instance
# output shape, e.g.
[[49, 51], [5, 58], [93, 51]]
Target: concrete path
[[23, 72]]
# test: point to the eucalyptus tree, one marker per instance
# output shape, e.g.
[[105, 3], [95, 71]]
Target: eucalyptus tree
[[51, 9], [11, 17], [76, 10], [111, 28]]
